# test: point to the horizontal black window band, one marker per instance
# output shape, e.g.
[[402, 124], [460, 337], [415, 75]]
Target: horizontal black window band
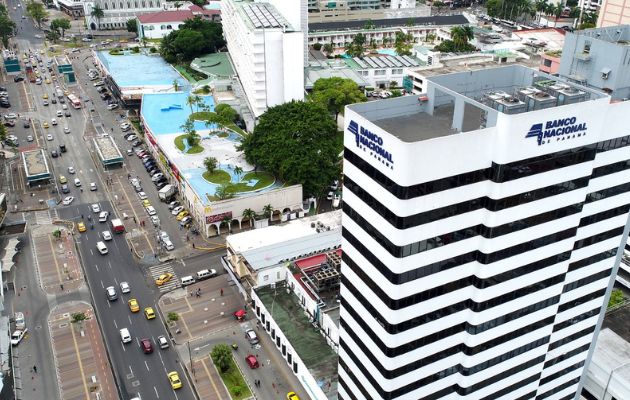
[[592, 259], [495, 172], [560, 373], [443, 265], [600, 216], [463, 207], [608, 192], [571, 338], [610, 169], [432, 292], [586, 280], [598, 237], [343, 384], [435, 357], [578, 318], [445, 311], [515, 387], [581, 300], [558, 389], [567, 355], [462, 391]]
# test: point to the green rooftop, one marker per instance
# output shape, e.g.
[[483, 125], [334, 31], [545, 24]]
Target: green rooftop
[[306, 339], [216, 65]]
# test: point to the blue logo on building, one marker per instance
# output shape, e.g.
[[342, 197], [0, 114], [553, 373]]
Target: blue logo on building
[[560, 129], [370, 141]]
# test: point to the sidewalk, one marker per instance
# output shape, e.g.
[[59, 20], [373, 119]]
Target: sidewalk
[[83, 370], [56, 261]]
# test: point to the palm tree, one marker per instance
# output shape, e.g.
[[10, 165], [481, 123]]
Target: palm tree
[[176, 87], [238, 171], [250, 215], [268, 210], [541, 7], [557, 10], [461, 35], [177, 5], [98, 13], [226, 220], [210, 163]]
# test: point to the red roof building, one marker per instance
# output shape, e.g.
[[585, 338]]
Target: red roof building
[[159, 24]]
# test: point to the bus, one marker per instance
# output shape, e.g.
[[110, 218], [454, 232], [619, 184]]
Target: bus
[[74, 100]]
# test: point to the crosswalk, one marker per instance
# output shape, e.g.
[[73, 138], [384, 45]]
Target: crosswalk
[[44, 217], [157, 270]]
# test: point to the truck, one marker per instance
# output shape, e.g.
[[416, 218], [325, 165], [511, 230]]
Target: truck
[[167, 192], [59, 93], [117, 225]]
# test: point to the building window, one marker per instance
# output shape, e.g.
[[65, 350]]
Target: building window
[[169, 27], [163, 27], [397, 71], [106, 6], [136, 4], [144, 4], [587, 48], [547, 62], [379, 72]]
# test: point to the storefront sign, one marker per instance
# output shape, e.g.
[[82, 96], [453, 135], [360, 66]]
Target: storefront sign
[[370, 141], [211, 219], [560, 129]]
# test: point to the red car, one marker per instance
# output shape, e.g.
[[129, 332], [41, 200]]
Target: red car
[[146, 345], [252, 361]]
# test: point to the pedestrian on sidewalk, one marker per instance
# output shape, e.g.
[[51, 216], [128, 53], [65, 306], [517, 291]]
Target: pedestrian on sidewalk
[[193, 245], [221, 291], [35, 368]]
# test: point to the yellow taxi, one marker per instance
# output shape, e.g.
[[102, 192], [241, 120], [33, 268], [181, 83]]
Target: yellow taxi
[[41, 51], [81, 227], [62, 179], [45, 96], [162, 279], [173, 378], [182, 214], [146, 203], [133, 305], [47, 81], [66, 92], [45, 125], [149, 313], [292, 396]]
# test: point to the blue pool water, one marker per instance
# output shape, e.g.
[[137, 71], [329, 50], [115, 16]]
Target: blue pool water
[[388, 52], [164, 113], [140, 70]]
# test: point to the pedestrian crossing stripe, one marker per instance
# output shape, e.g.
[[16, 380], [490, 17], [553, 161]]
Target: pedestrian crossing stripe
[[157, 270]]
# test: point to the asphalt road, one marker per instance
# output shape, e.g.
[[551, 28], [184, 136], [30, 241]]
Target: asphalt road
[[136, 372]]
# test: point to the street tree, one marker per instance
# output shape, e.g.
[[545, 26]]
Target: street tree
[[7, 27], [37, 12], [78, 317], [222, 357], [211, 164], [132, 25], [3, 133], [336, 93], [98, 13], [298, 142], [62, 24]]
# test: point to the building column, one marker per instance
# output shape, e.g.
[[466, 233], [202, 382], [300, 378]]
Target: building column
[[458, 114]]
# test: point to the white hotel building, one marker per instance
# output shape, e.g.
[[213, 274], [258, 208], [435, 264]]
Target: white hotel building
[[477, 260], [267, 42]]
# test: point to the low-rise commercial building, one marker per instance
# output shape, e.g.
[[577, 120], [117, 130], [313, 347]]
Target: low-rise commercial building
[[156, 25], [116, 13], [74, 8], [108, 152], [36, 167]]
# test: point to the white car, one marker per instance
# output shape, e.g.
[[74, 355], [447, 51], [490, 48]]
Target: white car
[[177, 210], [155, 220], [142, 195], [164, 236], [71, 170], [53, 121], [132, 138], [102, 217], [99, 83], [68, 200], [10, 116], [168, 245], [66, 129], [59, 113], [96, 208], [64, 106], [162, 342], [49, 137], [124, 287], [29, 138], [77, 182], [17, 336], [330, 196], [106, 235], [93, 186], [112, 106], [151, 210]]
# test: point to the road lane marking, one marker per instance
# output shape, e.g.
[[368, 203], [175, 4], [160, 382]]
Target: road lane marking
[[78, 353], [52, 247], [214, 385], [147, 366]]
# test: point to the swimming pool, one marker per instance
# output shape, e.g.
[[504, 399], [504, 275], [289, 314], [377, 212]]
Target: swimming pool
[[133, 70], [165, 113], [387, 52]]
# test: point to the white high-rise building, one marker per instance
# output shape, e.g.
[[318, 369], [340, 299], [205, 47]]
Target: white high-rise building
[[267, 50], [482, 228]]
